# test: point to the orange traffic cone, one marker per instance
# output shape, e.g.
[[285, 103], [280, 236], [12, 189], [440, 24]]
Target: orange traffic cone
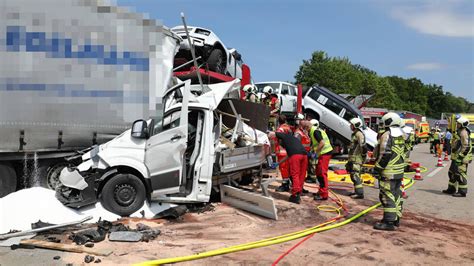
[[418, 174], [440, 162], [446, 156], [402, 188]]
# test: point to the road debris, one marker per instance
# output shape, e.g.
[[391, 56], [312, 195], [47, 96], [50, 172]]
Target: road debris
[[65, 247], [172, 213], [42, 229], [88, 259], [127, 236]]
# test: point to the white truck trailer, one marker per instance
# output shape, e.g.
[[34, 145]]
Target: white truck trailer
[[78, 73], [73, 73]]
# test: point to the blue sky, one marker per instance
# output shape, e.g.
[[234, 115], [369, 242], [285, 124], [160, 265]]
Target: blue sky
[[431, 40]]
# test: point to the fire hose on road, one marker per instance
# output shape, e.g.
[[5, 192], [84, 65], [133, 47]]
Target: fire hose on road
[[328, 225]]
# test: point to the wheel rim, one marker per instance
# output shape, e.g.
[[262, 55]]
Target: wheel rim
[[125, 194], [53, 176], [220, 65]]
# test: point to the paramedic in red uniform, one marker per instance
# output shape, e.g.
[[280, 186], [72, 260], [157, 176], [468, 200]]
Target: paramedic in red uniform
[[281, 155]]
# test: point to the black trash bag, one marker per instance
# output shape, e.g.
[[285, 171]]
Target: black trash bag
[[172, 213]]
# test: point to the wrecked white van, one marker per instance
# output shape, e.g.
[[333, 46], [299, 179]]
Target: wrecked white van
[[174, 159]]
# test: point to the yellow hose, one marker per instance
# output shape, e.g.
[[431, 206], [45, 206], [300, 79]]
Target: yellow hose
[[273, 240]]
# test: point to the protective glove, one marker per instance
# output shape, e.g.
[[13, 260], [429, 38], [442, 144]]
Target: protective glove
[[377, 170], [349, 166], [274, 165]]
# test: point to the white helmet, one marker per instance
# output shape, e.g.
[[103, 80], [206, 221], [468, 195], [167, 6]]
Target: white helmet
[[356, 122], [391, 120], [314, 122], [300, 116], [463, 121], [254, 89], [247, 88], [268, 89]]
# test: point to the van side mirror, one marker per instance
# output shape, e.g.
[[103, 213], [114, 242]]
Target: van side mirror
[[140, 129]]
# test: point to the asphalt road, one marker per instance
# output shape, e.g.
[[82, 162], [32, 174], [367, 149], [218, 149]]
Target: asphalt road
[[426, 196]]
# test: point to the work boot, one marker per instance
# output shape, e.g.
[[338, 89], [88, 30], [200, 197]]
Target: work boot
[[397, 222], [285, 187], [459, 195], [358, 196], [448, 191], [318, 197], [386, 226], [295, 199], [310, 180]]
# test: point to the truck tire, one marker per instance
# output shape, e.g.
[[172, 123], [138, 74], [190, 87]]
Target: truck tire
[[123, 194], [216, 61], [7, 179]]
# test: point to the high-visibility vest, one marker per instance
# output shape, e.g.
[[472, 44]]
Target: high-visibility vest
[[436, 136], [456, 150], [305, 140], [327, 144], [356, 154], [396, 164], [273, 102], [284, 128]]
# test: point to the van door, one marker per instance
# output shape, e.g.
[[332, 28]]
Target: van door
[[286, 101], [165, 149]]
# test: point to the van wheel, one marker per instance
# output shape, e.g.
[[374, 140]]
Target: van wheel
[[123, 194], [7, 179], [52, 175], [216, 61]]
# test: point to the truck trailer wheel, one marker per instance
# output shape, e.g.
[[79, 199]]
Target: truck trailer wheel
[[216, 61], [123, 194], [7, 179]]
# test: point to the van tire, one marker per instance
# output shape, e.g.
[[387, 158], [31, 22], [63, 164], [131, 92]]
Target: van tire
[[7, 179], [216, 61], [123, 194]]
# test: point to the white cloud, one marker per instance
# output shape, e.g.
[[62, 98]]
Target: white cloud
[[425, 66], [438, 19]]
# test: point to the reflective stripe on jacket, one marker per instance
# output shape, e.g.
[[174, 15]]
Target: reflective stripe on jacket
[[305, 140], [392, 156]]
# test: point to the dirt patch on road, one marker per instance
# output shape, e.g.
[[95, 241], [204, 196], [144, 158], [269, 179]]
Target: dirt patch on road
[[420, 239]]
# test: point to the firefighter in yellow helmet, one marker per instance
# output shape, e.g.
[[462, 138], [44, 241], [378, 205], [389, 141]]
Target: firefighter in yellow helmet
[[357, 154], [389, 168], [461, 156]]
